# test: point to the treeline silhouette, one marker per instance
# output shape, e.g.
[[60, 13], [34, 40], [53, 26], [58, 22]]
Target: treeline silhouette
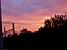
[[51, 33]]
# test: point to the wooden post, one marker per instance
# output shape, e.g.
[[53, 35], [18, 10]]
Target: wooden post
[[4, 32]]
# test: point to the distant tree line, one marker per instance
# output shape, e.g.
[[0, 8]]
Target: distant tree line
[[54, 30]]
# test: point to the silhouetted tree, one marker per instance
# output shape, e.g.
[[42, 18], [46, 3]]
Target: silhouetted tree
[[54, 30], [56, 24]]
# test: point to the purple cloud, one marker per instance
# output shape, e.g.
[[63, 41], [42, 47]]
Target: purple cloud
[[31, 11], [20, 8]]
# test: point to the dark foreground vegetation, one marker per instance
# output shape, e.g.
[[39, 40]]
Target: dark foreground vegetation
[[53, 33]]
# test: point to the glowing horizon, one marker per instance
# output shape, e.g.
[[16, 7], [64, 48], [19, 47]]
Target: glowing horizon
[[31, 11]]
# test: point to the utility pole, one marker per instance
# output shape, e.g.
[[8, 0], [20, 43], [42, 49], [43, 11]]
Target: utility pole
[[13, 28], [1, 38]]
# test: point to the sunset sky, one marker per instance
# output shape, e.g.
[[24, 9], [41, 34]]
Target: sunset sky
[[31, 11]]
